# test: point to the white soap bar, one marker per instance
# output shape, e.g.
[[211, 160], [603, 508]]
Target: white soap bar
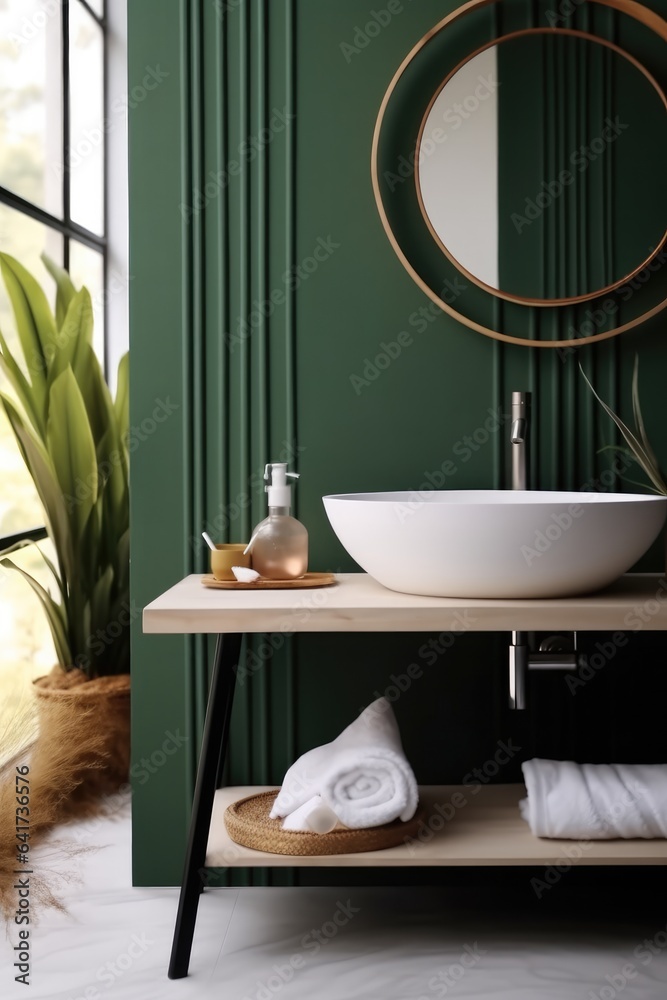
[[322, 820], [245, 575], [314, 816]]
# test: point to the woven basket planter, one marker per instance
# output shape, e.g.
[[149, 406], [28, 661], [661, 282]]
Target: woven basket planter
[[98, 746]]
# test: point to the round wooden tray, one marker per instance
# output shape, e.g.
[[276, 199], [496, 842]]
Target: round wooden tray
[[309, 580], [248, 823]]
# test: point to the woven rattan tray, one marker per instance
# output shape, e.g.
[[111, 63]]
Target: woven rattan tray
[[310, 580], [248, 823]]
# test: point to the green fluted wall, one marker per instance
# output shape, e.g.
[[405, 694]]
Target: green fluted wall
[[288, 386]]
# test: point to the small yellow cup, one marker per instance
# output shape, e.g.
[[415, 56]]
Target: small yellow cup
[[226, 556]]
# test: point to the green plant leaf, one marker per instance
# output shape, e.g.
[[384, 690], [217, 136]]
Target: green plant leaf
[[34, 321], [54, 613], [22, 544], [115, 522], [122, 401], [25, 543], [95, 391], [65, 288], [72, 450], [123, 561], [21, 387], [100, 602], [84, 624], [73, 335], [111, 458], [54, 572], [92, 556], [40, 467]]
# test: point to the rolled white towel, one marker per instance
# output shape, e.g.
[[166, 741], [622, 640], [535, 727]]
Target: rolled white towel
[[363, 775], [572, 801]]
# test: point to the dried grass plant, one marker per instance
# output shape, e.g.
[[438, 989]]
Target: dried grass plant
[[637, 444], [58, 765]]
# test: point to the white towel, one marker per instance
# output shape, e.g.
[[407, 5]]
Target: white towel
[[595, 801], [363, 776]]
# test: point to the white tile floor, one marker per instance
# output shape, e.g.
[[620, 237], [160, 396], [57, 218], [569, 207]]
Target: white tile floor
[[325, 944]]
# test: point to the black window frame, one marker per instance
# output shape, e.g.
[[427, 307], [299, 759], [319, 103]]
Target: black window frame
[[65, 226]]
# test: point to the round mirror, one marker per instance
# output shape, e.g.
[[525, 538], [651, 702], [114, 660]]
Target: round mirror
[[540, 167]]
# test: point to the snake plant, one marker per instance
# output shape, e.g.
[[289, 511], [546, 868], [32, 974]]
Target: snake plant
[[637, 444], [73, 439]]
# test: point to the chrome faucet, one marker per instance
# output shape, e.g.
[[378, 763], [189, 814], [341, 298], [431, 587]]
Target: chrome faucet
[[557, 652], [519, 654], [519, 439]]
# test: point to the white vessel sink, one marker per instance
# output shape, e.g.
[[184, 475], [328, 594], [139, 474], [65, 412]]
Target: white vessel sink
[[496, 543]]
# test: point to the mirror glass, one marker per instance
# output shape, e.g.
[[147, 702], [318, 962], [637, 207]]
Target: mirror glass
[[539, 167]]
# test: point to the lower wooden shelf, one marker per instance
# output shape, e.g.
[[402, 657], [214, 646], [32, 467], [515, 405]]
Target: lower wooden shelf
[[470, 825]]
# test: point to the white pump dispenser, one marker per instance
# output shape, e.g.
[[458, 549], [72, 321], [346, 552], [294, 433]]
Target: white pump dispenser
[[279, 490], [279, 543]]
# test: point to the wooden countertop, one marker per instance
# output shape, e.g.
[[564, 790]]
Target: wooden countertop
[[356, 603]]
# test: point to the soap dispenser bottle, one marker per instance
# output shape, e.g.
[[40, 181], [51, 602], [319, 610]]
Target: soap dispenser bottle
[[279, 543]]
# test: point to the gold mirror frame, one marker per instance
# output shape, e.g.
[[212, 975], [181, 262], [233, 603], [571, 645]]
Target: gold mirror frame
[[509, 296], [632, 9]]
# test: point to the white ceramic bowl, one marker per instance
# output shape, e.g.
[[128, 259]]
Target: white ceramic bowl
[[496, 543]]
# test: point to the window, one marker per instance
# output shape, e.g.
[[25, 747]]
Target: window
[[53, 82]]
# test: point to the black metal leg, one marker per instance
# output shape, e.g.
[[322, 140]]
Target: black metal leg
[[211, 759]]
